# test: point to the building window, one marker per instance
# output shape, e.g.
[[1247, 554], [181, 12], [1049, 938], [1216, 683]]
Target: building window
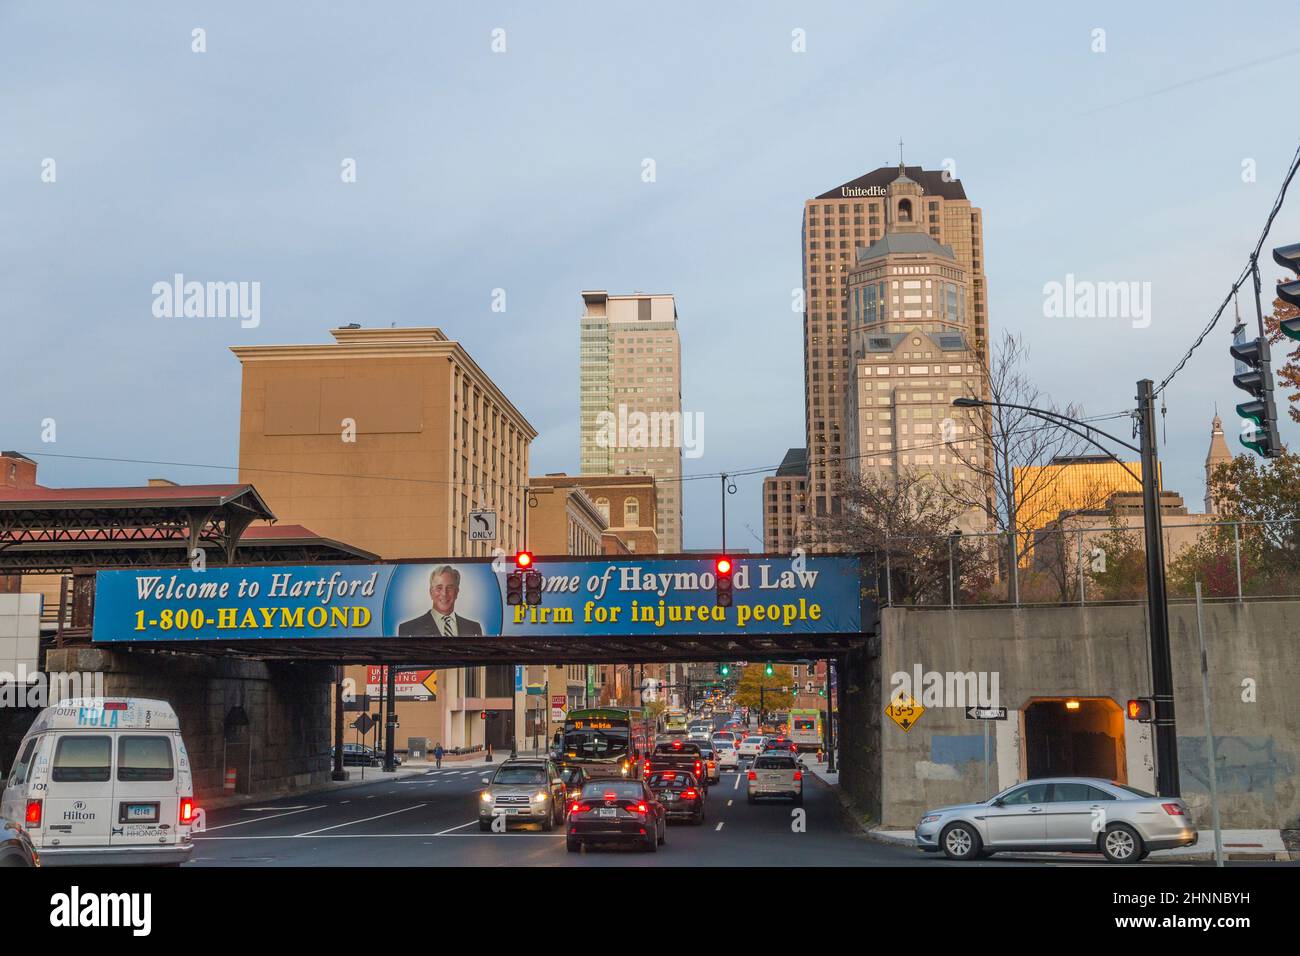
[[631, 512], [602, 505]]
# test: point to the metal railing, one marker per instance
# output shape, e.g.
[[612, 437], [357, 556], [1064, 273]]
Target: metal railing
[[1099, 564]]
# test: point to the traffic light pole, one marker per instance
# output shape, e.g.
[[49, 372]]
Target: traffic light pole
[[390, 719], [1162, 678], [830, 722]]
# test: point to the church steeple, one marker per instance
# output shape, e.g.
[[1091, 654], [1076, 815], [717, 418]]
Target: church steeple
[[1217, 455]]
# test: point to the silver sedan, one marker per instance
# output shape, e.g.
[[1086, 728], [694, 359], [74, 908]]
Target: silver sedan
[[1081, 814]]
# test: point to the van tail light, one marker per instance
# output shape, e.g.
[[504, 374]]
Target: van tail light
[[752, 775], [34, 813], [1174, 809], [115, 705], [798, 774], [697, 768], [187, 811]]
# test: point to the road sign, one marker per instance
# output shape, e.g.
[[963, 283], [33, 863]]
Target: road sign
[[482, 525], [415, 684], [363, 723], [986, 713], [904, 710]]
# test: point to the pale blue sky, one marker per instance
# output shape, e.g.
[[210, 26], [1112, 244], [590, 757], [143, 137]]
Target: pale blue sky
[[522, 171]]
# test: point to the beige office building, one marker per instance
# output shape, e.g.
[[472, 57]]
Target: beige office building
[[837, 225], [631, 398], [386, 439], [783, 503]]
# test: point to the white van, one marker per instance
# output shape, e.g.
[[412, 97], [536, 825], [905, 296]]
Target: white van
[[104, 781]]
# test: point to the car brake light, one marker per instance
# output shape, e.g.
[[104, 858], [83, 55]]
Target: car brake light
[[752, 775], [609, 795], [689, 794], [187, 810], [641, 808], [580, 808], [798, 775], [1174, 809], [670, 775], [33, 813]]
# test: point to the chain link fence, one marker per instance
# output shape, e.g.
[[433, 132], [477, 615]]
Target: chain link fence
[[1097, 564]]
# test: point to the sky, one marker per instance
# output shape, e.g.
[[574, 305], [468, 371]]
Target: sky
[[522, 169]]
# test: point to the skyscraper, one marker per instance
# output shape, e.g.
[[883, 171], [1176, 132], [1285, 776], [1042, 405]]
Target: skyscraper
[[783, 502], [631, 398], [836, 224]]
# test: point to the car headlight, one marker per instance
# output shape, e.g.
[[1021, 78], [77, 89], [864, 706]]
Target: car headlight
[[930, 819], [540, 796], [486, 796]]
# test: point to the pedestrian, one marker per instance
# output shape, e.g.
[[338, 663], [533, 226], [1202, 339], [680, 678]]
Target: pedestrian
[[437, 755], [489, 752]]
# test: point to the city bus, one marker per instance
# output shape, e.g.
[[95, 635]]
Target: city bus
[[606, 742], [675, 720], [806, 729]]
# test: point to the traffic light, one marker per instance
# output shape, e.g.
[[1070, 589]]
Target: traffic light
[[533, 587], [1289, 292], [722, 590], [767, 669], [1140, 710], [724, 670], [524, 560], [482, 715], [514, 588], [1255, 376]]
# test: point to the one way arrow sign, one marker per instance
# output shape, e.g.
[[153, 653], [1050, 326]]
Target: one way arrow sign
[[986, 713]]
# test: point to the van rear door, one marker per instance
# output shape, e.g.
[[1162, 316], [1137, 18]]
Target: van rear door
[[78, 802], [146, 807]]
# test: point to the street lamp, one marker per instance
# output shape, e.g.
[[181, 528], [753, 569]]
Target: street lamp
[[1162, 679]]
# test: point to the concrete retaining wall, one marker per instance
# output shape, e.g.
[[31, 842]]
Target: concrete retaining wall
[[287, 705], [1254, 664]]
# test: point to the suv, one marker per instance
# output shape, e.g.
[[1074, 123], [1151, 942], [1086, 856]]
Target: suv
[[776, 774], [529, 791]]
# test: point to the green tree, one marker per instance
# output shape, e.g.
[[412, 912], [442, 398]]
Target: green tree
[[776, 694], [1117, 568], [1286, 373]]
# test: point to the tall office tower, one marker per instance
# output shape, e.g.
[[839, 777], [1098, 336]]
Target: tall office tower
[[835, 225], [631, 398]]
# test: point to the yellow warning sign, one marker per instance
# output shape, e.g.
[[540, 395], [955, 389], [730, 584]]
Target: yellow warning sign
[[431, 684], [904, 710]]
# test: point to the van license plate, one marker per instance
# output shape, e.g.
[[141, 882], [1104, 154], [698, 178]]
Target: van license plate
[[140, 813]]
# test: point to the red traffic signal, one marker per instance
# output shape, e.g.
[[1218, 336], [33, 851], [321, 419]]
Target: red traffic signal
[[722, 565], [482, 715], [1140, 710], [524, 559]]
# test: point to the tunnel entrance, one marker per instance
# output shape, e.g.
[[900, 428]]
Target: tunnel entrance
[[1075, 737]]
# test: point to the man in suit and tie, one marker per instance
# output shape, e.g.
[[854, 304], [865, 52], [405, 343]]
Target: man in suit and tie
[[441, 620]]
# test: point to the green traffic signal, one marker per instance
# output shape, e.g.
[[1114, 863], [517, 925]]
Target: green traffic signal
[[768, 670]]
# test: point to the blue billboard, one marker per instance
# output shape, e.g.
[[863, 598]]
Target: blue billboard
[[450, 599]]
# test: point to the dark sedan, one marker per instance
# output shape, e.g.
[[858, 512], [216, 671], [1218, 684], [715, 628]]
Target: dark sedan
[[616, 811], [680, 793]]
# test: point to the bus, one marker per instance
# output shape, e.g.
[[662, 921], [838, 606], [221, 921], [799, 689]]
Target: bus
[[675, 720], [806, 729], [606, 742]]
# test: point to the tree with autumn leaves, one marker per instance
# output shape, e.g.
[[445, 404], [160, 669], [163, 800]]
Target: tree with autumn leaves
[[1286, 376]]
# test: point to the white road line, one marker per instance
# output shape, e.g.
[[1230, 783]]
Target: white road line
[[719, 826], [453, 829], [365, 820], [736, 785], [260, 819], [374, 836], [728, 803], [341, 802]]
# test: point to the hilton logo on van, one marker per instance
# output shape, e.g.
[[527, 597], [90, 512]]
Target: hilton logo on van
[[79, 812]]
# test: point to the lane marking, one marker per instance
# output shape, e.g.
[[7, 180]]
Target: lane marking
[[728, 803], [365, 820], [453, 829], [299, 806], [374, 836], [736, 785], [260, 819], [718, 827]]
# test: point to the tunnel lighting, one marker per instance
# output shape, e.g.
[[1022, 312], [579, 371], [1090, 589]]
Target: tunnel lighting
[[1071, 705]]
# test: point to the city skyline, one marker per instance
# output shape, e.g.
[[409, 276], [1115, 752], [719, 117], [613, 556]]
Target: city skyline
[[425, 237]]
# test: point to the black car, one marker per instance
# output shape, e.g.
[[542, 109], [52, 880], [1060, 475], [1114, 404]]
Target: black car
[[616, 811], [356, 755], [575, 778], [680, 793], [15, 847]]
